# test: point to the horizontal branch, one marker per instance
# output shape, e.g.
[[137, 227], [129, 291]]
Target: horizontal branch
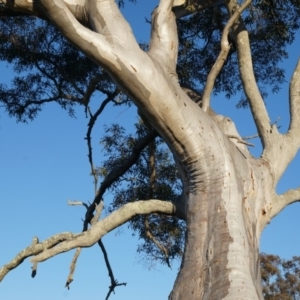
[[64, 242], [35, 249], [112, 221]]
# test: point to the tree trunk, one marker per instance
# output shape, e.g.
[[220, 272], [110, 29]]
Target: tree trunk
[[224, 222]]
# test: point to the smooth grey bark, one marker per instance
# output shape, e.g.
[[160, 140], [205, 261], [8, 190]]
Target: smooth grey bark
[[228, 196]]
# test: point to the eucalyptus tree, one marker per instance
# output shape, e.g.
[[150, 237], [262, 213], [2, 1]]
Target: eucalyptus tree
[[227, 196]]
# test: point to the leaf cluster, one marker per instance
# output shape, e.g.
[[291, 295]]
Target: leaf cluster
[[134, 185], [47, 68], [272, 26], [280, 278]]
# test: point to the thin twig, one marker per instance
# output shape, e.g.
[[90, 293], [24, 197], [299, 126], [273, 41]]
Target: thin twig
[[72, 267], [114, 282], [152, 179], [93, 119], [241, 141], [114, 175], [73, 203]]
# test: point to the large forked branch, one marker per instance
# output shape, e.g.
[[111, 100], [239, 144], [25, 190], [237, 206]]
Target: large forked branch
[[64, 242], [225, 47]]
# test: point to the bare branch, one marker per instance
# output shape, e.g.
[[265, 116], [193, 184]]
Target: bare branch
[[72, 268], [77, 203], [66, 241], [96, 217], [218, 65], [250, 137], [114, 282], [152, 238], [112, 221], [281, 201], [266, 132], [240, 140], [35, 249], [93, 119], [164, 38], [113, 176], [294, 94]]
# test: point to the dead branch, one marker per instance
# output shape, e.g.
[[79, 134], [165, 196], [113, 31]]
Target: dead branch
[[93, 119], [72, 268], [239, 140], [35, 249], [152, 179], [114, 282], [73, 203], [113, 176]]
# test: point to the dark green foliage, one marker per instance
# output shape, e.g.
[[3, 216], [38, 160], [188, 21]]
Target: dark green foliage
[[48, 69], [272, 25], [134, 185], [280, 278]]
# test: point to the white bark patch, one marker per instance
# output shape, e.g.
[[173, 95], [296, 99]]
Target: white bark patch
[[238, 261]]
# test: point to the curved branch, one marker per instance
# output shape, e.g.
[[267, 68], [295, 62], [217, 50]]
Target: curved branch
[[112, 221], [66, 241], [281, 201], [34, 250], [218, 65]]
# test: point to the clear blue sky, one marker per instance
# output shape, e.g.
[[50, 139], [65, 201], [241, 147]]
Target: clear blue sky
[[44, 163]]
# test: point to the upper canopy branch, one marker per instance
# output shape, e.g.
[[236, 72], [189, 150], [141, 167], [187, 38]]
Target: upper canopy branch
[[294, 98], [266, 132], [164, 38], [286, 146], [225, 47], [24, 7]]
